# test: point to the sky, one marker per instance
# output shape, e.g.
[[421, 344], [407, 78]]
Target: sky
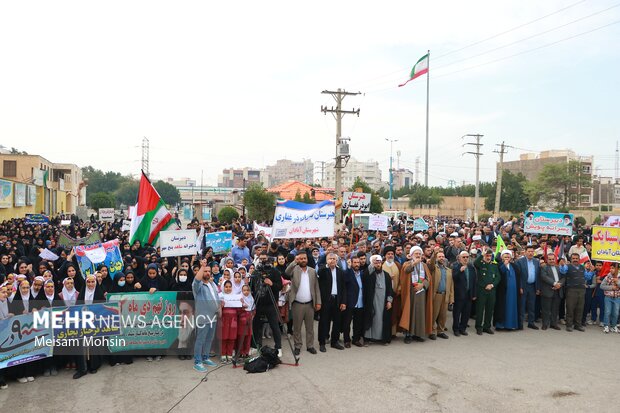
[[215, 85]]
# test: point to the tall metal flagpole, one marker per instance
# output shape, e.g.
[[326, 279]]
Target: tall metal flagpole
[[428, 74]]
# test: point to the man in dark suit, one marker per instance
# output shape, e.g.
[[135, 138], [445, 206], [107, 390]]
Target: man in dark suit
[[529, 267], [333, 302], [551, 282], [355, 305], [464, 281]]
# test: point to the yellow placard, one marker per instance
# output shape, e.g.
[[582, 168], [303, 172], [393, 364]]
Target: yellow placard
[[605, 243]]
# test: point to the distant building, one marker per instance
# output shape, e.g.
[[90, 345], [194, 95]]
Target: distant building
[[368, 171], [241, 178], [33, 184], [288, 190], [605, 191], [402, 178], [286, 170], [531, 164]]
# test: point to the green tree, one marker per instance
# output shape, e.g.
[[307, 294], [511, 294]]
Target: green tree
[[552, 186], [259, 204], [127, 193], [227, 214], [513, 197], [102, 200], [307, 199], [298, 197], [169, 193], [423, 195], [99, 181], [376, 207]]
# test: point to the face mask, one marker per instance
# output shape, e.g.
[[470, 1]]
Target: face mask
[[121, 283], [182, 278]]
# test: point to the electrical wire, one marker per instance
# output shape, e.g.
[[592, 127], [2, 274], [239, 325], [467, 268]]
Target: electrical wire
[[204, 379]]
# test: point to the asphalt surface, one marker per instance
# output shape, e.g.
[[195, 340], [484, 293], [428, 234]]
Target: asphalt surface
[[525, 371]]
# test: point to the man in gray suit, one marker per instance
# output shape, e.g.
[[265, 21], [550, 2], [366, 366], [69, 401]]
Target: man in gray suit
[[551, 283], [305, 298]]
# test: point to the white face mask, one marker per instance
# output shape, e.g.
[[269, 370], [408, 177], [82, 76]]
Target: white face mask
[[182, 278], [121, 283]]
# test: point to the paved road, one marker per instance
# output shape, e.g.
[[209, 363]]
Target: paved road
[[549, 371]]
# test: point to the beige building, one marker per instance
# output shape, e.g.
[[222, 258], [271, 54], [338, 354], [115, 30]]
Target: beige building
[[241, 178], [286, 170], [402, 178], [368, 171], [452, 206], [37, 185]]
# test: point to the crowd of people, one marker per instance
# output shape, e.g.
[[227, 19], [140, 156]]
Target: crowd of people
[[364, 287]]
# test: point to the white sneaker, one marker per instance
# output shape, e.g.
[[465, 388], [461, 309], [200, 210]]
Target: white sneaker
[[601, 324], [22, 380], [279, 352], [30, 379], [157, 358], [253, 351], [615, 330], [589, 322], [3, 385], [149, 359], [606, 329]]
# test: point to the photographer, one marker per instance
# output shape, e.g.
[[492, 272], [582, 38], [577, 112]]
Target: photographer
[[266, 278]]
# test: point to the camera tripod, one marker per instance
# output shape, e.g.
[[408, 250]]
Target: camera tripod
[[280, 321]]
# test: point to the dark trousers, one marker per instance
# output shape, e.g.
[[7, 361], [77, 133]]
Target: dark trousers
[[587, 304], [460, 314], [87, 360], [330, 317], [598, 304], [528, 303], [574, 306], [355, 315], [269, 311], [550, 309], [485, 307]]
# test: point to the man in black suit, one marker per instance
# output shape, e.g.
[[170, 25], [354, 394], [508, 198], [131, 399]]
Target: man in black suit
[[333, 302], [551, 282], [464, 280], [355, 305]]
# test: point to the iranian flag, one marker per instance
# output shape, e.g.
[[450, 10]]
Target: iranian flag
[[149, 216], [420, 68]]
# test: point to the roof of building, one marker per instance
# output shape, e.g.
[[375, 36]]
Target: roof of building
[[288, 190]]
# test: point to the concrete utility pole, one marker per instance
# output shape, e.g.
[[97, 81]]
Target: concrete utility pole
[[477, 154], [498, 184], [341, 147], [391, 141], [322, 172], [145, 155]]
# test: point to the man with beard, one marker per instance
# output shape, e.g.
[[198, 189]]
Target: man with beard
[[392, 268], [378, 296], [443, 293], [354, 312], [417, 306], [465, 284], [333, 302]]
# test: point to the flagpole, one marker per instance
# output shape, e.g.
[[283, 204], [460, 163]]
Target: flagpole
[[428, 74]]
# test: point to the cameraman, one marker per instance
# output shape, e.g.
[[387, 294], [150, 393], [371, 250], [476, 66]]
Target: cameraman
[[266, 277]]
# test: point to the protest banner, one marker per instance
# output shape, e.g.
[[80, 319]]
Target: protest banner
[[605, 243], [48, 255], [31, 195], [259, 229], [126, 225], [555, 223], [107, 253], [66, 241], [420, 225], [298, 220], [19, 340], [612, 221], [149, 321], [377, 222], [20, 195], [6, 194], [177, 243], [106, 321], [221, 242], [36, 219], [65, 222], [356, 201], [106, 214]]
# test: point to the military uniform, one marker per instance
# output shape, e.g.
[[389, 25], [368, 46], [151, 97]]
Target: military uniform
[[485, 304]]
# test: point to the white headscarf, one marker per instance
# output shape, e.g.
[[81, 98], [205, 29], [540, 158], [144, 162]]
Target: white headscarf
[[69, 297], [249, 301], [89, 294], [37, 278], [50, 298]]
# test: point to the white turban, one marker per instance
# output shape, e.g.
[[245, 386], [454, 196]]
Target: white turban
[[376, 258], [507, 252], [414, 249]]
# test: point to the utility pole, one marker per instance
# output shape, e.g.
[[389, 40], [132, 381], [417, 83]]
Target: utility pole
[[500, 172], [477, 154], [391, 141], [417, 170], [342, 153], [617, 165], [322, 172], [145, 155]]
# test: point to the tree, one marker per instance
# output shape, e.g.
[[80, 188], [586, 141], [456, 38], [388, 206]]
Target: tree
[[102, 200], [513, 197], [227, 214], [127, 193], [552, 186], [423, 195], [99, 181], [169, 193], [259, 204], [376, 207]]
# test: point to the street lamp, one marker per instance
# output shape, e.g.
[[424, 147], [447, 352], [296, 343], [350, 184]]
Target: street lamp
[[391, 141]]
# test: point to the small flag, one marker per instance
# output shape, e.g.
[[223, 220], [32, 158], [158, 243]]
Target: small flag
[[559, 251], [584, 257], [420, 68], [499, 246]]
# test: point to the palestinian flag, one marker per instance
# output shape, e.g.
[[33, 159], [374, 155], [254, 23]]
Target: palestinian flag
[[149, 216], [420, 68]]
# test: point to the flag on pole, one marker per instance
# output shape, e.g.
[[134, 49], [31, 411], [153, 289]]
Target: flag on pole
[[420, 68], [559, 250], [149, 216], [583, 257]]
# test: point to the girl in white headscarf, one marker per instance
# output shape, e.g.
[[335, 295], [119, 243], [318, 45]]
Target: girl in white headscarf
[[69, 294]]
